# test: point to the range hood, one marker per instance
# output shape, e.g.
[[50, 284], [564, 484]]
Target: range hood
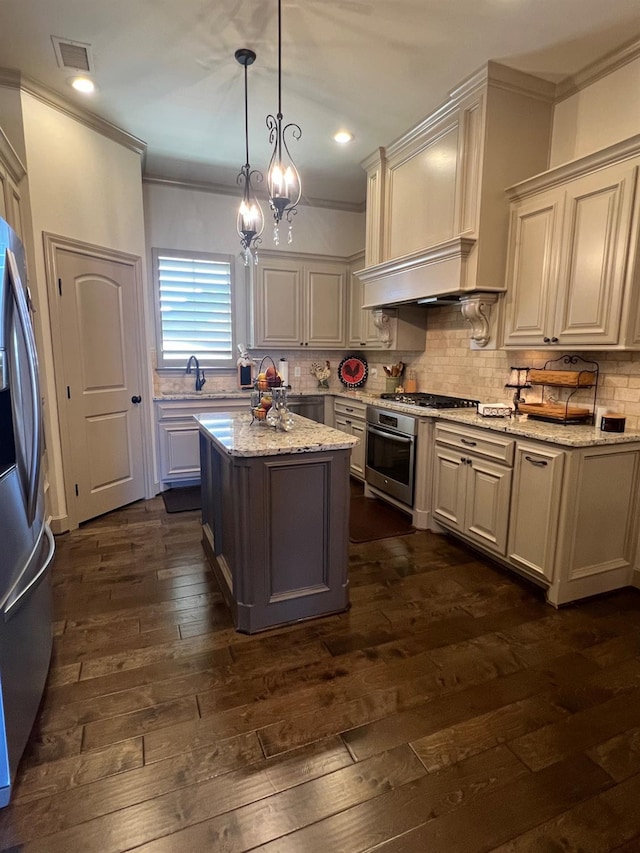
[[437, 219], [442, 273]]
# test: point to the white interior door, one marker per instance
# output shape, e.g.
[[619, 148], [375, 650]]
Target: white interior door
[[102, 377]]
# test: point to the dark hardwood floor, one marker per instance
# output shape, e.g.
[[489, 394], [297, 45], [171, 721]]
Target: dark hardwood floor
[[450, 710]]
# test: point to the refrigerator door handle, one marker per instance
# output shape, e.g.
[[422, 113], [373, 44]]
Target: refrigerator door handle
[[11, 609], [27, 331]]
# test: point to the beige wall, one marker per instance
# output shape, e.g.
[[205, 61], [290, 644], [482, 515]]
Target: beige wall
[[603, 113], [85, 187]]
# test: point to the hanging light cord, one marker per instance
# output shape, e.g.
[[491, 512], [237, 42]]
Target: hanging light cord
[[246, 117]]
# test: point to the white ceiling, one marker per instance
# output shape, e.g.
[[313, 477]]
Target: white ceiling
[[166, 73]]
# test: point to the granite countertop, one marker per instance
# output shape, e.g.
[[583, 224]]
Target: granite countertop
[[228, 395], [571, 435], [234, 433]]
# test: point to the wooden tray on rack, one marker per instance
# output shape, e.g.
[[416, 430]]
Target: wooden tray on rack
[[555, 411], [563, 378]]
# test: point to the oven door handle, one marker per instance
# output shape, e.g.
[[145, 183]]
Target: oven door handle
[[400, 439]]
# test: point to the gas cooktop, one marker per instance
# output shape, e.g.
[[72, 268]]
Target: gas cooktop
[[431, 401]]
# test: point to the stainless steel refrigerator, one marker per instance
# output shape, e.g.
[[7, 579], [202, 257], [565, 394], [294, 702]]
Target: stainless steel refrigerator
[[26, 542]]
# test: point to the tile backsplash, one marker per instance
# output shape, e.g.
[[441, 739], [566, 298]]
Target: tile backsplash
[[447, 366]]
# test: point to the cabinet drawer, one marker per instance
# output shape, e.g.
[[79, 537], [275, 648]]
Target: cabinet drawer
[[350, 409], [486, 444]]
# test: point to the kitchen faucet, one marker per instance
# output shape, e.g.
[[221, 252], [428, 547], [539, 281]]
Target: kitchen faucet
[[200, 380]]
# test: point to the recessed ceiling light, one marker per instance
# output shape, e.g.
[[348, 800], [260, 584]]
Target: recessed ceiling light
[[343, 136], [84, 85]]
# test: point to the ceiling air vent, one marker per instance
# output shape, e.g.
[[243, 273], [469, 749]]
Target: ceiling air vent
[[72, 54]]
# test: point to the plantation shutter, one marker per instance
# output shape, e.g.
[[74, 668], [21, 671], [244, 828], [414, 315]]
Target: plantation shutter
[[195, 308]]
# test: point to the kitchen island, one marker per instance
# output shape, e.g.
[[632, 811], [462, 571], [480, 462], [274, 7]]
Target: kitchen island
[[275, 517]]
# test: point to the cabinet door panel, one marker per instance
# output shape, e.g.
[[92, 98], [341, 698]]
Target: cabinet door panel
[[362, 330], [326, 304], [278, 311], [449, 488], [533, 258], [487, 505], [179, 452], [358, 429], [595, 240], [422, 196], [535, 507]]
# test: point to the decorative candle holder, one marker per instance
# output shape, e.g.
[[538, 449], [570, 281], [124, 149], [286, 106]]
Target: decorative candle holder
[[518, 380]]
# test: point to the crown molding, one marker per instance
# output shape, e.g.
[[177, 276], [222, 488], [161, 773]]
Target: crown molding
[[616, 153], [597, 70], [11, 79], [226, 189]]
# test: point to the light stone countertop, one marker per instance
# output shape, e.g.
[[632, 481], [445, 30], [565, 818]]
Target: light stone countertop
[[568, 435], [229, 395], [571, 435], [234, 433]]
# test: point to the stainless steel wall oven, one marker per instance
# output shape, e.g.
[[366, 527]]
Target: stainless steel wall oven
[[391, 441]]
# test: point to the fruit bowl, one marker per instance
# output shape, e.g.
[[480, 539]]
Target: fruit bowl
[[269, 377]]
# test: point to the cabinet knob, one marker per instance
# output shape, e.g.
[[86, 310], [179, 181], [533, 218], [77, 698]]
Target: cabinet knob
[[554, 340], [547, 340], [136, 399], [463, 459]]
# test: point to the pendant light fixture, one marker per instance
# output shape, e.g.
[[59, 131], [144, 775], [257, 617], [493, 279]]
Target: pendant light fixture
[[250, 222], [283, 180]]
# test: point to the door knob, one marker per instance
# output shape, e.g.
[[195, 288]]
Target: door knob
[[136, 399]]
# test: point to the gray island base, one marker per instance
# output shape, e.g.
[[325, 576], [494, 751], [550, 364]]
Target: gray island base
[[275, 517]]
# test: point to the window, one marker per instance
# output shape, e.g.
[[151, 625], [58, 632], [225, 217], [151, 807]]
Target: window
[[194, 302]]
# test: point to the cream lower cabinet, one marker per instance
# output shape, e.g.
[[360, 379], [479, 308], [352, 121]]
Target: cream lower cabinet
[[535, 509], [350, 417], [597, 523], [178, 441], [299, 301], [472, 485], [570, 267], [567, 519]]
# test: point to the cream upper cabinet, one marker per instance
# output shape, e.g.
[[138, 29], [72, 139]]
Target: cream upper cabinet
[[299, 301], [571, 259], [362, 330], [12, 172], [437, 218]]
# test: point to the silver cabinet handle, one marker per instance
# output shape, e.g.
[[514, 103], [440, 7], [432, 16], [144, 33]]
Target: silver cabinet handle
[[541, 463], [468, 443], [27, 332]]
